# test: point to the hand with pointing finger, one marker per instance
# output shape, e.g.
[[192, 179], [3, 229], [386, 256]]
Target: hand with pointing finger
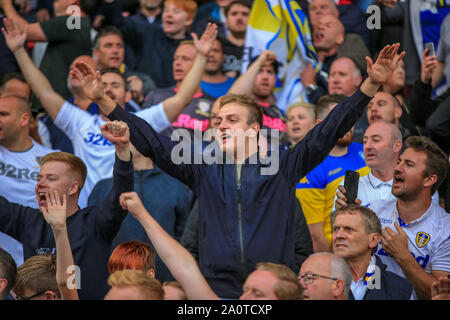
[[395, 243]]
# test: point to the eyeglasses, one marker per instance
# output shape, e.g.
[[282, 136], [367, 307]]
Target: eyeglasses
[[309, 278], [30, 297]]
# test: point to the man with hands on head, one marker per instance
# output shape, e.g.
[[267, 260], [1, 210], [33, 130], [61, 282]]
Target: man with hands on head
[[90, 230], [250, 198]]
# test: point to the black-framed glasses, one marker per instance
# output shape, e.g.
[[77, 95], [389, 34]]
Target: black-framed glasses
[[17, 297], [309, 278]]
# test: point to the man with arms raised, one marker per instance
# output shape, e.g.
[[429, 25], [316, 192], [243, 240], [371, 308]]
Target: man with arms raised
[[244, 199]]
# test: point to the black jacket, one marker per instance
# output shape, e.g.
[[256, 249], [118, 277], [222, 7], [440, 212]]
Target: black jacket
[[250, 221], [303, 241], [392, 286], [91, 231], [434, 114]]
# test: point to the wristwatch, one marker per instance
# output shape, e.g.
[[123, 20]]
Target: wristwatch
[[311, 88]]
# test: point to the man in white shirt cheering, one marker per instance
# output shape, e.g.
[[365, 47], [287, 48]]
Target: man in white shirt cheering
[[382, 145], [19, 161], [415, 241]]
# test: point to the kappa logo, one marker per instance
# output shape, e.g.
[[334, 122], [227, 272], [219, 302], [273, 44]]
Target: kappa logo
[[422, 239], [304, 180], [332, 172]]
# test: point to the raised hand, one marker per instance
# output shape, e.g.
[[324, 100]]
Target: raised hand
[[206, 41], [429, 63], [395, 243], [387, 61], [267, 57], [440, 289], [308, 75], [56, 212], [341, 199], [131, 202], [135, 84], [14, 38], [90, 80], [117, 132]]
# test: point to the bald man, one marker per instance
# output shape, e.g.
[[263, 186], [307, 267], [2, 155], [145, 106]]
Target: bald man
[[19, 161], [325, 276], [14, 84], [328, 36], [350, 15], [382, 146], [344, 78], [332, 44]]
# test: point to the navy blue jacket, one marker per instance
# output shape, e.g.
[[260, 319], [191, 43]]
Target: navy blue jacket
[[141, 18], [91, 231], [168, 201], [392, 286], [241, 225]]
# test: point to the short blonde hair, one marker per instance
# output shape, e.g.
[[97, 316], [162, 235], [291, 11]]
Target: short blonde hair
[[307, 106], [38, 274], [148, 287], [76, 165], [288, 287]]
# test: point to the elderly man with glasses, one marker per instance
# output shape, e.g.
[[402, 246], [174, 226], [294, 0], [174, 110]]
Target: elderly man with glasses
[[324, 276]]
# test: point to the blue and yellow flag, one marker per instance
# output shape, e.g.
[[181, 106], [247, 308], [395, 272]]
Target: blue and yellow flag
[[282, 26]]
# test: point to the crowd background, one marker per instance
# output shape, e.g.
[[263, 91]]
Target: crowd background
[[173, 63]]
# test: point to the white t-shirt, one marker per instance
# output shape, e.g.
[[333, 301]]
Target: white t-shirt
[[370, 188], [90, 146], [428, 236], [18, 176]]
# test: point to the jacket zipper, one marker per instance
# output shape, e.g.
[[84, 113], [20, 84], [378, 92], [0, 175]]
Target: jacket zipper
[[141, 189], [241, 237]]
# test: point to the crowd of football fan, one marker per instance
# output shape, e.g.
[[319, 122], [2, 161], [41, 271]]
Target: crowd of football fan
[[97, 98]]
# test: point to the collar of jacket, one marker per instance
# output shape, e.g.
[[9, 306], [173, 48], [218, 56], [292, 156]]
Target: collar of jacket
[[146, 173]]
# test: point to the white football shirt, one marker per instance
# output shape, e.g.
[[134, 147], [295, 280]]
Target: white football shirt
[[370, 188], [428, 236], [18, 177], [90, 146]]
